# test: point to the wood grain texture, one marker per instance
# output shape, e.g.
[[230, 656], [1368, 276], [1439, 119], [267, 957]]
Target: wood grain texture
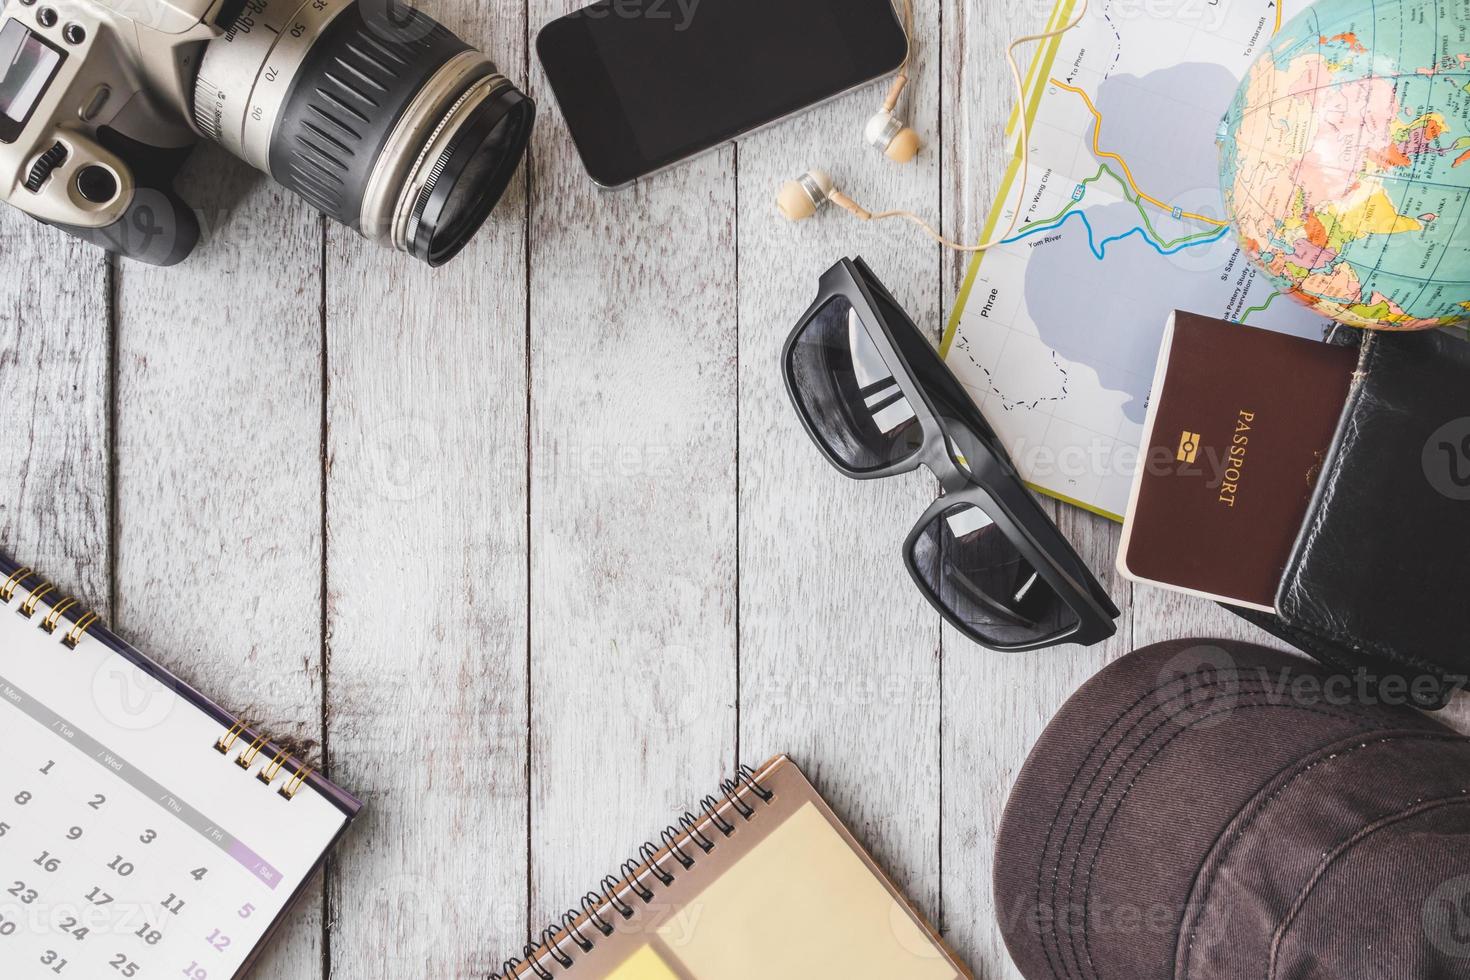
[[632, 506], [219, 468], [996, 706], [426, 584], [55, 465], [569, 554], [839, 653]]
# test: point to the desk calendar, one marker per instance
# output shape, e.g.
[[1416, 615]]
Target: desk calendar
[[144, 832]]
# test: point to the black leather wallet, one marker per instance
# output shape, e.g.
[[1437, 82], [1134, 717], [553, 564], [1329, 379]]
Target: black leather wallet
[[1379, 579]]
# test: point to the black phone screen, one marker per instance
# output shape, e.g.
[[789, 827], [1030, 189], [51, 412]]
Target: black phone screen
[[646, 83]]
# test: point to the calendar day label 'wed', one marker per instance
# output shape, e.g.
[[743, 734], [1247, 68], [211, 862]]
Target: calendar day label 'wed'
[[130, 847]]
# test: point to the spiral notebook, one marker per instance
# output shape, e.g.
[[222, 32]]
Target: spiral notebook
[[144, 832], [761, 881]]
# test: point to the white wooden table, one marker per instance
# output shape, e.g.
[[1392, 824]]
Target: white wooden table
[[533, 545]]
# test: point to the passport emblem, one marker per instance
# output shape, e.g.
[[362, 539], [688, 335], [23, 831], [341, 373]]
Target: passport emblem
[[1189, 447]]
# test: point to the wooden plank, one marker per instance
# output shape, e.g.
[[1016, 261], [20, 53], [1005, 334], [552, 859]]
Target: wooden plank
[[839, 652], [995, 706], [633, 560], [219, 469], [55, 453], [426, 580]]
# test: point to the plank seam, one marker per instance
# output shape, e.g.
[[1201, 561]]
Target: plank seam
[[324, 647]]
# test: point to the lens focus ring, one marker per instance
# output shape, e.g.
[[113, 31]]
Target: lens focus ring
[[350, 91], [247, 73]]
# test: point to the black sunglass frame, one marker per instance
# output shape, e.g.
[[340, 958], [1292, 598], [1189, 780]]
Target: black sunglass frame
[[988, 480]]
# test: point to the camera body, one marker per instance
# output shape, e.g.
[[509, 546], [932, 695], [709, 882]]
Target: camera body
[[377, 115], [94, 117]]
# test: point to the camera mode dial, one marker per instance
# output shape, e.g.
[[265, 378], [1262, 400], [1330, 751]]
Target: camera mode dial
[[44, 165]]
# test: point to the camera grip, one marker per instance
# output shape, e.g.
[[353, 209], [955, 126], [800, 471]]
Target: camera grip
[[158, 227]]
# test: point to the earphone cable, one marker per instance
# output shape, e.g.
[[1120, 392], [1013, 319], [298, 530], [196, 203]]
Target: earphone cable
[[1025, 120], [908, 29]]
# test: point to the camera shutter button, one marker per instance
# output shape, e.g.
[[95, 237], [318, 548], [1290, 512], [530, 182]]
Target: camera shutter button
[[41, 169], [96, 184]]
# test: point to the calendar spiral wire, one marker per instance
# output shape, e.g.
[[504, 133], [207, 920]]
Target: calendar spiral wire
[[260, 748], [33, 591], [682, 845], [61, 607]]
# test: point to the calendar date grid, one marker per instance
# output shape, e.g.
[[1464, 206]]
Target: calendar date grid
[[78, 872]]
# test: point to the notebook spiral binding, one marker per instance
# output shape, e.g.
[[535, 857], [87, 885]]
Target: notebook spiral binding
[[60, 606], [680, 845]]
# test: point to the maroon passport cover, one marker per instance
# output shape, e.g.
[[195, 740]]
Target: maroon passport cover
[[1239, 423]]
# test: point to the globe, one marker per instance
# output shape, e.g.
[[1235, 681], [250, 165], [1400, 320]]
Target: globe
[[1345, 161]]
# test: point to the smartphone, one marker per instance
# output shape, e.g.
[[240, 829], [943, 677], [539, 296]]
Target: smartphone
[[644, 84]]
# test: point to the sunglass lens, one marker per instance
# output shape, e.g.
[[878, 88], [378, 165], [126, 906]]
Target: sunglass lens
[[847, 391], [972, 569]]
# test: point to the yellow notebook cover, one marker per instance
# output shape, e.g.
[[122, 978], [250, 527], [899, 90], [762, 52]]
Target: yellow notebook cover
[[765, 882]]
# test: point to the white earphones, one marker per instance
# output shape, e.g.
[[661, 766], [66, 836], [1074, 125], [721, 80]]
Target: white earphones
[[890, 134], [811, 192], [885, 131], [802, 198]]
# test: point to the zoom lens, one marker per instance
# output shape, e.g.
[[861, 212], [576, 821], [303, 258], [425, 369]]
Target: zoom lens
[[378, 116]]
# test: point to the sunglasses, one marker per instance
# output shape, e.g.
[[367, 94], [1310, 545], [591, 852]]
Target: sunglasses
[[878, 401]]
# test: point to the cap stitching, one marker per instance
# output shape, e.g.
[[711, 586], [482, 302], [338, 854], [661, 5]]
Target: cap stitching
[[1092, 865], [1049, 941], [1382, 822], [1122, 738], [1262, 805]]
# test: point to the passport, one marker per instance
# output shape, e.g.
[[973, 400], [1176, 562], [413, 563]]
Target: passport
[[1239, 423]]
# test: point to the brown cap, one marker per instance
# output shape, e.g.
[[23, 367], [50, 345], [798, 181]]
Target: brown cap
[[1211, 810]]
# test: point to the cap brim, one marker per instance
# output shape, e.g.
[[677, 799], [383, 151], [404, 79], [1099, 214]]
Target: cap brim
[[1135, 783]]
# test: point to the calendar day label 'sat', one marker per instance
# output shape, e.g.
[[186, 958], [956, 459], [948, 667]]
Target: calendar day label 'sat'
[[130, 845]]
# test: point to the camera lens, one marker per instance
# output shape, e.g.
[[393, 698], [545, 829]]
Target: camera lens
[[466, 174], [376, 114]]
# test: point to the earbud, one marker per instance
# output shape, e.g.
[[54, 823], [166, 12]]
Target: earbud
[[897, 141], [803, 197], [894, 138]]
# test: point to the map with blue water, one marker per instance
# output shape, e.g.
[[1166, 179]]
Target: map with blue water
[[1056, 334]]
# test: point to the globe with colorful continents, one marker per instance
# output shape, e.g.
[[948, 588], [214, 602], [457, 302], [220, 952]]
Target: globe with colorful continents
[[1345, 161]]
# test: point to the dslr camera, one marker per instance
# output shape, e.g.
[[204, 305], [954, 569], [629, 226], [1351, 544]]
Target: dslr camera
[[373, 112]]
